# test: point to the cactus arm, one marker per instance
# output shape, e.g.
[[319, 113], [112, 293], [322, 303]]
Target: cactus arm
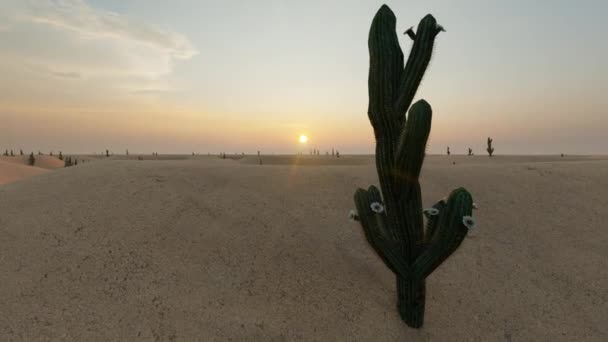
[[376, 234], [386, 67], [449, 234], [432, 222], [417, 62], [412, 144]]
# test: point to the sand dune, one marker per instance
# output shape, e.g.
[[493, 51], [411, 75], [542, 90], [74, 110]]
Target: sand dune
[[307, 160], [14, 171], [210, 249], [44, 162]]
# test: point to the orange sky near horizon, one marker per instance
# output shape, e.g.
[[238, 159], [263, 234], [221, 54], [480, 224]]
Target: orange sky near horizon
[[85, 76]]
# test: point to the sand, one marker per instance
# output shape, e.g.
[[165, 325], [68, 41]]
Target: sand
[[205, 249]]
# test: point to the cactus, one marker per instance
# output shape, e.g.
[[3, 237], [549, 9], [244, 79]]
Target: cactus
[[490, 149], [392, 219], [449, 150], [12, 154], [20, 152], [60, 156], [470, 151], [107, 153], [5, 153], [31, 160]]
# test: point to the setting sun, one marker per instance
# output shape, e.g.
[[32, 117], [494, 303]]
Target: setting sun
[[303, 139]]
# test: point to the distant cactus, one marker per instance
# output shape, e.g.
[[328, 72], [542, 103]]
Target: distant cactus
[[75, 161], [448, 150], [490, 149], [337, 154], [39, 153], [31, 160], [392, 219], [60, 155], [12, 154], [20, 152], [67, 162], [127, 152], [107, 153], [6, 153], [51, 154], [470, 151]]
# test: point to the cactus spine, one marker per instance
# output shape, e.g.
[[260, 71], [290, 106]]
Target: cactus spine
[[392, 218], [490, 149]]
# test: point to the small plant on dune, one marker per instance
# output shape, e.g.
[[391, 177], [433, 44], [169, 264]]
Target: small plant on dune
[[392, 216], [490, 149], [470, 151], [60, 155], [31, 160], [448, 150]]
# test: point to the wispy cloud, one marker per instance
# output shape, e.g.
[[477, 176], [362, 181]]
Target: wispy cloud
[[81, 19], [72, 40]]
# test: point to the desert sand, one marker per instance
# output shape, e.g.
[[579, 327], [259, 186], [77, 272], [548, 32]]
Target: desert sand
[[206, 249]]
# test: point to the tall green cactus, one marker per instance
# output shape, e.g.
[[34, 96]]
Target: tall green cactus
[[392, 219]]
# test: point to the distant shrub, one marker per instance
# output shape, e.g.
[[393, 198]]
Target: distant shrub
[[67, 162], [12, 154], [107, 153], [470, 151], [20, 152], [448, 150], [60, 155], [490, 149], [31, 160]]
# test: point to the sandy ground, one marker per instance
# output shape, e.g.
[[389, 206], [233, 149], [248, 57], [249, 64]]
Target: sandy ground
[[205, 249]]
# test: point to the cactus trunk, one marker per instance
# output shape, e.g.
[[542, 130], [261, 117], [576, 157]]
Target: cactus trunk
[[392, 218]]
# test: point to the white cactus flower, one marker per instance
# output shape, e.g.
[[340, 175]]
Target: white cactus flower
[[377, 207], [352, 215], [431, 211], [468, 222]]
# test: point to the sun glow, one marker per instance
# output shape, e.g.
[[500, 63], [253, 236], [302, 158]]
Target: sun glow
[[303, 139]]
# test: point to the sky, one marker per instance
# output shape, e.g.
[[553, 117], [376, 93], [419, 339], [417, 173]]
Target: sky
[[200, 76]]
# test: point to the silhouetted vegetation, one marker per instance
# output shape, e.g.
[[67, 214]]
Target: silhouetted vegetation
[[31, 160], [490, 149]]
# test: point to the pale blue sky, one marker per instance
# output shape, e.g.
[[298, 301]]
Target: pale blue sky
[[184, 75]]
